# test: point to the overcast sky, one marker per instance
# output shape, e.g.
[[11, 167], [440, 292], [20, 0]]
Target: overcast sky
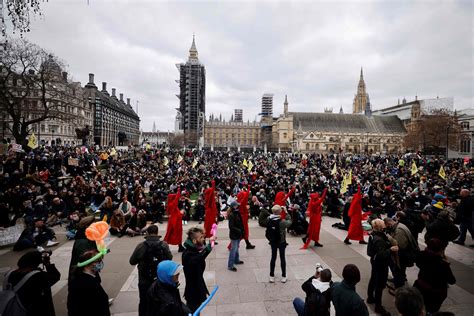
[[311, 51]]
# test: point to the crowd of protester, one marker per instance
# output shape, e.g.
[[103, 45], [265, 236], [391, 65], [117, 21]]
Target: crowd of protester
[[132, 189]]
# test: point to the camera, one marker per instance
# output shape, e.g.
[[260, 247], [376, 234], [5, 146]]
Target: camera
[[319, 267]]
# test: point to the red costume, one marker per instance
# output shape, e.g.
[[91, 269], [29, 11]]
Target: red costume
[[210, 207], [280, 199], [174, 231], [355, 213], [315, 211], [243, 200]]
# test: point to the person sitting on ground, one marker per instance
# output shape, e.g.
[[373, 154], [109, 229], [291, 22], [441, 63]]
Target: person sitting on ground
[[35, 295], [318, 294], [36, 235], [409, 302], [163, 295], [344, 296], [73, 225], [118, 227]]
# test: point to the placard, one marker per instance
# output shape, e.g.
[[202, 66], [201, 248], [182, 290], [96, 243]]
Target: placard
[[73, 161]]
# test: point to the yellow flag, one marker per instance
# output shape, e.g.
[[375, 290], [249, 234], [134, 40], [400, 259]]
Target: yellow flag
[[344, 186], [244, 163], [113, 152], [32, 141], [250, 166], [414, 169], [348, 177], [148, 146], [165, 161], [441, 173], [180, 158], [334, 170], [195, 162]]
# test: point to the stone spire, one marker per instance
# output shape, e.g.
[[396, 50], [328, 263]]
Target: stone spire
[[341, 110], [360, 99], [193, 53], [285, 106], [154, 127]]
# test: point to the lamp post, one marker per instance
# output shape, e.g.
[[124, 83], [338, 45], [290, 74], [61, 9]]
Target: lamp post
[[447, 141]]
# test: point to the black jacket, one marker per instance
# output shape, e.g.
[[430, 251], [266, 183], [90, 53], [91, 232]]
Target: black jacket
[[312, 308], [194, 264], [236, 227], [378, 248], [165, 300], [346, 300], [35, 294], [87, 297]]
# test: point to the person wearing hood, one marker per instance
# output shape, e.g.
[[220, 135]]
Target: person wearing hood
[[314, 211], [194, 262], [318, 294], [163, 294], [236, 233]]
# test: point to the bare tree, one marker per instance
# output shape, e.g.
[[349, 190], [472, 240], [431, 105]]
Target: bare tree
[[433, 132], [19, 12], [32, 88]]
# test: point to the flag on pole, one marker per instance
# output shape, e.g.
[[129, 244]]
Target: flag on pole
[[180, 158], [441, 173], [32, 141], [148, 146], [414, 169], [334, 170], [244, 163], [195, 162], [165, 161], [349, 177], [113, 152], [344, 185], [250, 166]]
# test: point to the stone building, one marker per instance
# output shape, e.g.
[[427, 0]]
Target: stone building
[[331, 132], [192, 97], [466, 146], [115, 122], [362, 97], [232, 134], [66, 101]]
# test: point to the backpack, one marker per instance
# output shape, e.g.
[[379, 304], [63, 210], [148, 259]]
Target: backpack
[[316, 304], [10, 304], [272, 233], [154, 254]]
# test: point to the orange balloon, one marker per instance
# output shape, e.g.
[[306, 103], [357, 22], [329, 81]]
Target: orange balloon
[[97, 231]]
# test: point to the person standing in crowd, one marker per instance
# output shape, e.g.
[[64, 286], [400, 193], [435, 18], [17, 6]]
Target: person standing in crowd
[[380, 252], [148, 254], [243, 200], [81, 244], [185, 206], [85, 293], [315, 212], [407, 251], [194, 262], [281, 198], [409, 302], [464, 216], [163, 294], [174, 230], [276, 234], [35, 294], [355, 213], [236, 233], [318, 294], [442, 228], [434, 276], [210, 207], [345, 299]]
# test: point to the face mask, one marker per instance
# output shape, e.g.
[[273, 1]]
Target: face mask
[[99, 266]]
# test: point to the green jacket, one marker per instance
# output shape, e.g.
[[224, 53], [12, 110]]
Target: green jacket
[[346, 300]]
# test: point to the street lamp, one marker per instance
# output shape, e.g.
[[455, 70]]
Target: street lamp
[[447, 141]]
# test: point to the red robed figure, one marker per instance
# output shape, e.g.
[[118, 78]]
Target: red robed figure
[[243, 200], [174, 231], [280, 199], [355, 213], [210, 207], [314, 211]]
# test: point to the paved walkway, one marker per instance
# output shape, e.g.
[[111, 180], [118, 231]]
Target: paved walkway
[[247, 291]]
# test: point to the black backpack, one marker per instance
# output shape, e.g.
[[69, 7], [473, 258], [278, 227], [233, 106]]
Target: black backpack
[[272, 233], [317, 304], [10, 304], [154, 254]]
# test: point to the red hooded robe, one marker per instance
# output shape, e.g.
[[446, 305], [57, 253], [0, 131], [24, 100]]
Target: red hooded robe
[[280, 199], [243, 200], [174, 231], [315, 211], [210, 207], [355, 213]]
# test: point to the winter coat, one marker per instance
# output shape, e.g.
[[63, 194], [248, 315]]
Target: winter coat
[[194, 265], [346, 300], [323, 306], [87, 297], [236, 227], [165, 300]]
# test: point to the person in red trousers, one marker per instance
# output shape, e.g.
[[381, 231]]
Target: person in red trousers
[[355, 213], [174, 230], [314, 211]]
